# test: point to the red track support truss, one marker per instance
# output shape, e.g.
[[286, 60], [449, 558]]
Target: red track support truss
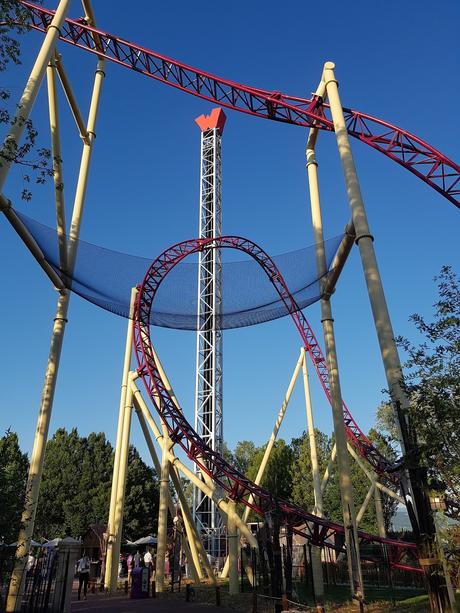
[[235, 484], [411, 152]]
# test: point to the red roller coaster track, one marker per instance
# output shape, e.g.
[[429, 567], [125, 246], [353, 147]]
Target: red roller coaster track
[[411, 152], [242, 98], [408, 150], [420, 158], [238, 487]]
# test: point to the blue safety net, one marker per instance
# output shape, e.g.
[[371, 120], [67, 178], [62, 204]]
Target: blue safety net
[[105, 278]]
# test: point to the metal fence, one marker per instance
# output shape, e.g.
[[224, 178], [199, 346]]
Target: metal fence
[[288, 571], [42, 590]]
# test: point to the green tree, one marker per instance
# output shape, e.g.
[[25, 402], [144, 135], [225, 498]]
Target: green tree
[[243, 455], [227, 453], [288, 475], [13, 476], [142, 498], [99, 479], [301, 470], [389, 504], [360, 483], [433, 384], [76, 484], [302, 482], [277, 478], [60, 485], [91, 500], [35, 161], [386, 425]]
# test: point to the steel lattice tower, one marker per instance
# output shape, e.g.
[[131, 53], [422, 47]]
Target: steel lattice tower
[[208, 393]]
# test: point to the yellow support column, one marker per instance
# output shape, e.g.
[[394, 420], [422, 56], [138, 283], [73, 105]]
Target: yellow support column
[[312, 440], [365, 504], [80, 124], [57, 164], [110, 560], [221, 503], [117, 522], [163, 513], [346, 489], [274, 434], [188, 544], [427, 546], [316, 563], [38, 455], [188, 516], [46, 403], [370, 474], [328, 471], [232, 534], [195, 542], [29, 95], [269, 447], [379, 512]]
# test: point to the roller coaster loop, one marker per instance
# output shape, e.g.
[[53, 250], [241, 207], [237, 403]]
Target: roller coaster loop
[[224, 475]]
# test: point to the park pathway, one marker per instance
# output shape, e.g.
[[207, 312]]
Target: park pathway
[[123, 604]]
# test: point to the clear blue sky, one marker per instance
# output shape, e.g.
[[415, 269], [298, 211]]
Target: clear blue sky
[[398, 61]]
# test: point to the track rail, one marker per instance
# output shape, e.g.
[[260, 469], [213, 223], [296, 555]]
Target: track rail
[[411, 152], [237, 486], [404, 148]]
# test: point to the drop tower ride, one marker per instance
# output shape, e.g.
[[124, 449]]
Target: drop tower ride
[[208, 393]]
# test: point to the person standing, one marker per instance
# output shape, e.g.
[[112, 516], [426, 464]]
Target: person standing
[[30, 565], [137, 559], [83, 575], [130, 564], [148, 560], [124, 566]]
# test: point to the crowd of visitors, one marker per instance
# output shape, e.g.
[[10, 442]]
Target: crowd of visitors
[[147, 559], [130, 561], [41, 566]]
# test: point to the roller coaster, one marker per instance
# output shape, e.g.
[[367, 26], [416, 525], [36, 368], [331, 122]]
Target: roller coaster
[[404, 148], [408, 150], [238, 487]]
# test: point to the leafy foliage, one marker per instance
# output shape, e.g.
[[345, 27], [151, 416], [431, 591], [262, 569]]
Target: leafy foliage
[[13, 17], [277, 477], [288, 475], [142, 498], [390, 505], [75, 488], [13, 476], [433, 384], [301, 468], [187, 488], [302, 491], [244, 454]]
